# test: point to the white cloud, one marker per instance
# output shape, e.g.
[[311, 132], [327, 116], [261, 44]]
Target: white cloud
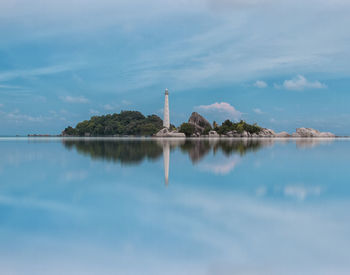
[[109, 107], [93, 112], [223, 108], [72, 99], [260, 84], [126, 102], [258, 111], [18, 117], [300, 83], [221, 168], [301, 192]]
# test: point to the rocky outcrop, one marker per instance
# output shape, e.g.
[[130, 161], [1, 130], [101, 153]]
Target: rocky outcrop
[[213, 134], [199, 122], [233, 134], [166, 133], [283, 135], [264, 132], [309, 132]]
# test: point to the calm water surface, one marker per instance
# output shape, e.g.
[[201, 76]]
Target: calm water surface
[[174, 207]]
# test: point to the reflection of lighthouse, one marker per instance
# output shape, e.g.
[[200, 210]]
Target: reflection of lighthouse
[[166, 156], [166, 145], [166, 121]]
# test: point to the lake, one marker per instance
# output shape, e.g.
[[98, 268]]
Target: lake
[[167, 206]]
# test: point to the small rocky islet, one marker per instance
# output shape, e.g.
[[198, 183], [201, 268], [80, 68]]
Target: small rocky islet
[[200, 124]]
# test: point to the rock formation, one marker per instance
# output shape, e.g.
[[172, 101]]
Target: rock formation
[[199, 122], [166, 133], [283, 135], [266, 133], [309, 132], [213, 134]]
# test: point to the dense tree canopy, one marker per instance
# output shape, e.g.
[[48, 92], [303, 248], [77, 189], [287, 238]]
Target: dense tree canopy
[[241, 126], [125, 123], [187, 128]]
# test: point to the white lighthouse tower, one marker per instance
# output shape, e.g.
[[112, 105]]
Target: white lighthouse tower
[[166, 121]]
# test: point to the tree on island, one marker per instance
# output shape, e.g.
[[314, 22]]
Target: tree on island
[[187, 128], [125, 123]]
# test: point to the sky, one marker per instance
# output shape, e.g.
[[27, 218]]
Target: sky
[[282, 64]]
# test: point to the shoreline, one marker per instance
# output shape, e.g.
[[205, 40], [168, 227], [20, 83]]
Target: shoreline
[[167, 138]]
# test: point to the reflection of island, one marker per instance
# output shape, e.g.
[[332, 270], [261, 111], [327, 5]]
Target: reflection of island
[[132, 152], [124, 151]]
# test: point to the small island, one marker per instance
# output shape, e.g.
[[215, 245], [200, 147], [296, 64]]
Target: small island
[[134, 123]]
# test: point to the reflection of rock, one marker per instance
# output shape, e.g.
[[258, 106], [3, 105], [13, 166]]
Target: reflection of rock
[[196, 149], [309, 132], [166, 133], [199, 122], [311, 142], [172, 142]]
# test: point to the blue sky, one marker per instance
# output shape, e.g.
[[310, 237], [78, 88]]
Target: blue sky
[[282, 64]]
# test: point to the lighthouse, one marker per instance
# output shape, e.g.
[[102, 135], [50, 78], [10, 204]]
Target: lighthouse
[[166, 121]]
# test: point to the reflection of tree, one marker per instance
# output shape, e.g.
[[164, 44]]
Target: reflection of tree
[[135, 151], [197, 149], [123, 151], [242, 147]]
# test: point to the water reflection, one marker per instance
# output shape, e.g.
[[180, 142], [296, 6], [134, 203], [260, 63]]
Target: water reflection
[[132, 152], [234, 206], [126, 152], [135, 151]]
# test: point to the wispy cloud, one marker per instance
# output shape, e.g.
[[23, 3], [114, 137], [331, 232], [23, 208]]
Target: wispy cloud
[[300, 83], [301, 192], [110, 107], [72, 99], [258, 111], [221, 168], [10, 87], [17, 117], [222, 108], [126, 102], [260, 84], [8, 75], [93, 112]]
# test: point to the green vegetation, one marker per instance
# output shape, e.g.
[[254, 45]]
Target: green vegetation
[[134, 123], [187, 128], [125, 123], [239, 127]]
